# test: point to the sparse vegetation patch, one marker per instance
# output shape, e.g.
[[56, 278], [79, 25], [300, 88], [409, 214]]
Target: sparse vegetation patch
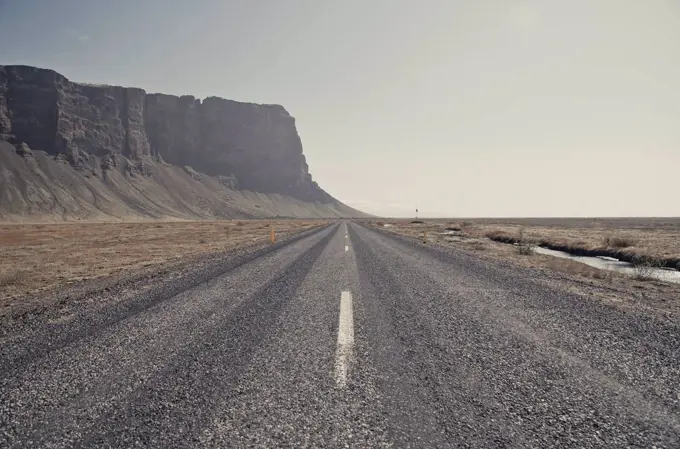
[[644, 267], [525, 246]]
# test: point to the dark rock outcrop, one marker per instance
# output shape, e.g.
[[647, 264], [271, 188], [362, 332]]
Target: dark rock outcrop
[[23, 150], [247, 146]]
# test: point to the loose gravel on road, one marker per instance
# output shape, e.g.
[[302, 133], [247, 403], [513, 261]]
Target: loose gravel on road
[[447, 350]]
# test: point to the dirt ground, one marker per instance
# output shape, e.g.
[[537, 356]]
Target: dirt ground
[[660, 237], [37, 257]]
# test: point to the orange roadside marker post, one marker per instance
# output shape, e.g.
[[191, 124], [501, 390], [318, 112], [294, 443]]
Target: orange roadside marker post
[[424, 236], [273, 235]]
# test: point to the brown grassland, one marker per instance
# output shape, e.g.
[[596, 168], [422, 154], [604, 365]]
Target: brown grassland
[[37, 257], [623, 238]]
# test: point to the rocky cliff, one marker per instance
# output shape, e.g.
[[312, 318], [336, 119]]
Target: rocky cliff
[[97, 128]]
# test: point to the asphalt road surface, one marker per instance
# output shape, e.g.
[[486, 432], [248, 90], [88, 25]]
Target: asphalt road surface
[[346, 337]]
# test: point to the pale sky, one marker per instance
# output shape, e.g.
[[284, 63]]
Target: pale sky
[[463, 108]]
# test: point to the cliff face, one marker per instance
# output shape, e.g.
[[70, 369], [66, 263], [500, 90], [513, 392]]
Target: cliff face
[[255, 147]]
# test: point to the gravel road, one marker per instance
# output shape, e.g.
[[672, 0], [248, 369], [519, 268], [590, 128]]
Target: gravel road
[[344, 337]]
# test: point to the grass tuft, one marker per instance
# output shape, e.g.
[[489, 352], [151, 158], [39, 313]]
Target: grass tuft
[[644, 267], [617, 242], [13, 277], [525, 246], [500, 236], [477, 246]]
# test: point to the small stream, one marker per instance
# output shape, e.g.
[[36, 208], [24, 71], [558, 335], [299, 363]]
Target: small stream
[[609, 263], [602, 263]]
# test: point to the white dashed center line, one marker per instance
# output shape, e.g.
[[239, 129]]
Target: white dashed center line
[[346, 248], [345, 340]]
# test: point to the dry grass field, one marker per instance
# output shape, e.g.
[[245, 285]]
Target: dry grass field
[[36, 257], [624, 238], [654, 237]]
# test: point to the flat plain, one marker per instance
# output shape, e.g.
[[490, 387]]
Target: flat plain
[[39, 257]]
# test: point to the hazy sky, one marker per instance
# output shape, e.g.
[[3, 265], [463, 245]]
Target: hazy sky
[[465, 108]]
